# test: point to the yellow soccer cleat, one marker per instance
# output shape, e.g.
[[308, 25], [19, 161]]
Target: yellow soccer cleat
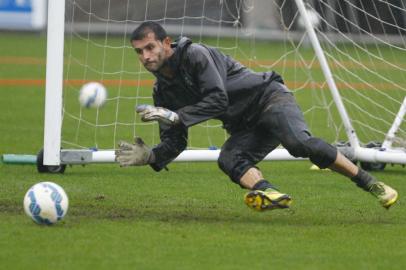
[[267, 200], [386, 195]]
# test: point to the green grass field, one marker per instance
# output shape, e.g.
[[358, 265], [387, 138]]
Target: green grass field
[[190, 217]]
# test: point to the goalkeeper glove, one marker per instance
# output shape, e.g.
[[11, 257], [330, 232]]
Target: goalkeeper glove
[[136, 154], [151, 113]]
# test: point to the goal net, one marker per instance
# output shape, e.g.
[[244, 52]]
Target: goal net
[[362, 42]]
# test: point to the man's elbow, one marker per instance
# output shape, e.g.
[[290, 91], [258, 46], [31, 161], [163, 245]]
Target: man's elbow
[[222, 102]]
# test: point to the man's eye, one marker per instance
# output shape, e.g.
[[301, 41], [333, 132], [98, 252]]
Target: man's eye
[[138, 51]]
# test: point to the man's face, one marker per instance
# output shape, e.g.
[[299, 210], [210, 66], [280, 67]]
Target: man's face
[[151, 52]]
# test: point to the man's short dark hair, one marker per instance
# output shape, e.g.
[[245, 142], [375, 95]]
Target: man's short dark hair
[[147, 27]]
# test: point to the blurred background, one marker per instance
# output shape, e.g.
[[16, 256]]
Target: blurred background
[[266, 17]]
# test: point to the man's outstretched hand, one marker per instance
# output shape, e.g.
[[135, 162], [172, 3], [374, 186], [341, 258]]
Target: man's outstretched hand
[[152, 113], [136, 154]]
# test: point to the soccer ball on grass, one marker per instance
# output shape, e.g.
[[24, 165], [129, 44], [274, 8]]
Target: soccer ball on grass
[[92, 95], [46, 203]]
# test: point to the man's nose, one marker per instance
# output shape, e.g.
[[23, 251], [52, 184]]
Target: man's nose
[[146, 55]]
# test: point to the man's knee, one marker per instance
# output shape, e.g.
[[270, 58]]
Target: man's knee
[[322, 153], [297, 148], [233, 165], [223, 163], [318, 151]]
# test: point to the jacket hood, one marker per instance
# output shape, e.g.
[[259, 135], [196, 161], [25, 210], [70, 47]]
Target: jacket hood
[[180, 46]]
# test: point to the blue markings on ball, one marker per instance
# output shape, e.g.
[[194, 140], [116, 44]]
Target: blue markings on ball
[[40, 220], [34, 207], [57, 198], [92, 98], [35, 210], [59, 211]]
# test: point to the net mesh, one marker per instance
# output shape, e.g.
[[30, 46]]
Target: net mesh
[[364, 45]]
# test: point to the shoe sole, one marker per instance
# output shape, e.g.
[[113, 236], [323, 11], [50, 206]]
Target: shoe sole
[[260, 202], [391, 202]]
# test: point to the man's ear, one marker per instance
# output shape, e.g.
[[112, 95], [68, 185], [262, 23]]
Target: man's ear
[[167, 41]]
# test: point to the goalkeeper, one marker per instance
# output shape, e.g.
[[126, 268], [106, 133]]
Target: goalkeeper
[[195, 83]]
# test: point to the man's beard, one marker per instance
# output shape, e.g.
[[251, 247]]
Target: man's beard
[[159, 63], [164, 64]]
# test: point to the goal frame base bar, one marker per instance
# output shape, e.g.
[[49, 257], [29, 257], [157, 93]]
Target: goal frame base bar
[[85, 156]]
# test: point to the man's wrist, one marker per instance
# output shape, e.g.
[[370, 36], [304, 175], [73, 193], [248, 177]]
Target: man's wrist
[[174, 117], [151, 158]]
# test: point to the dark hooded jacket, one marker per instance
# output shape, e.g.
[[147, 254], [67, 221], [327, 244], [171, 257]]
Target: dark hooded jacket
[[207, 84]]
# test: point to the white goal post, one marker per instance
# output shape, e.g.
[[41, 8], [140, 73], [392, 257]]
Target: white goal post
[[336, 61], [54, 82]]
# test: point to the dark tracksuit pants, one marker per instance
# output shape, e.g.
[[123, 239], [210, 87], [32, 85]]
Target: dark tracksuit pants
[[280, 122]]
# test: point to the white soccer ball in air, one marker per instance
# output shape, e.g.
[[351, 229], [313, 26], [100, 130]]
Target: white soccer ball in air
[[46, 203], [92, 95], [314, 19]]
